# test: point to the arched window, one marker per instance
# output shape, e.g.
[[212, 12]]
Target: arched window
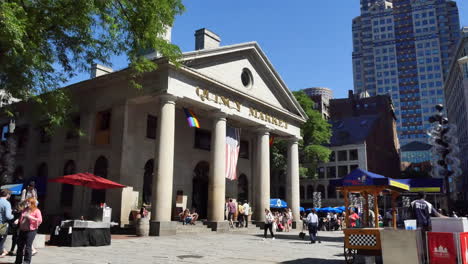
[[41, 182], [310, 192], [301, 192], [148, 181], [331, 192], [100, 169], [242, 188], [18, 175], [66, 195]]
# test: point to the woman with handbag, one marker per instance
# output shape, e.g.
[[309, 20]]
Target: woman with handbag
[[29, 222]]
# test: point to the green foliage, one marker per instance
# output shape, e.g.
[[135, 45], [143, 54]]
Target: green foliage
[[316, 133], [43, 43]]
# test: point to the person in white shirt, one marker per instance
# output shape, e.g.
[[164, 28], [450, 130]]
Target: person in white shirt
[[312, 223], [246, 213], [269, 219]]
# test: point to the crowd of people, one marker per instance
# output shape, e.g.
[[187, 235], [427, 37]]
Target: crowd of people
[[237, 213], [22, 222]]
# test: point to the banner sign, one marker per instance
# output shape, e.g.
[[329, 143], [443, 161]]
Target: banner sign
[[441, 247], [464, 247]]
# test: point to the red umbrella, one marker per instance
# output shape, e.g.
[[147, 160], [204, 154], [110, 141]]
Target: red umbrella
[[88, 180]]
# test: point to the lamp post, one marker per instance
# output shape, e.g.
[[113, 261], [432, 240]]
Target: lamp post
[[444, 149]]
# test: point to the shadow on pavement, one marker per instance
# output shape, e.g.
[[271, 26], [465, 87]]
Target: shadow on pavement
[[313, 260], [296, 237]]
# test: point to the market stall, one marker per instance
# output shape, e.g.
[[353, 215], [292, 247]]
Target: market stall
[[77, 233], [367, 239]]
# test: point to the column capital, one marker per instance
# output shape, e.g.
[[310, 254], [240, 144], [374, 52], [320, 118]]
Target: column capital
[[218, 114], [262, 130], [293, 139], [167, 98]]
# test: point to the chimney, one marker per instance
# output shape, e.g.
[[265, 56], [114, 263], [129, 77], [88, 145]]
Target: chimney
[[99, 70], [152, 54], [205, 39]]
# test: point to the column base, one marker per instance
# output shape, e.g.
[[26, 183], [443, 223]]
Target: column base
[[296, 224], [219, 227], [167, 228]]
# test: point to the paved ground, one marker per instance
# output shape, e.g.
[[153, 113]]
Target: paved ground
[[201, 248]]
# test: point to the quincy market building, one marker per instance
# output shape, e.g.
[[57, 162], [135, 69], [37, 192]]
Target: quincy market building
[[140, 138]]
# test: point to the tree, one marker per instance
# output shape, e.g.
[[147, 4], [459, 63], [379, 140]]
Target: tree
[[316, 133], [43, 43]]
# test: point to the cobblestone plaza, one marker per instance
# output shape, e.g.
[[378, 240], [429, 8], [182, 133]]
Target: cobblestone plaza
[[202, 248]]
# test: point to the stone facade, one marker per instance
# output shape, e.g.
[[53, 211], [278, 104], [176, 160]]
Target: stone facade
[[128, 133]]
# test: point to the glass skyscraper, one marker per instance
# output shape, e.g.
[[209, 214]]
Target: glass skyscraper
[[403, 48]]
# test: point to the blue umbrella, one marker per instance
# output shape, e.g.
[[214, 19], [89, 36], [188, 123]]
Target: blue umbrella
[[14, 188], [301, 209], [278, 203]]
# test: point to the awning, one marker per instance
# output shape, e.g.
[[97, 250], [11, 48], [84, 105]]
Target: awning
[[360, 177], [14, 188], [278, 203], [425, 185]]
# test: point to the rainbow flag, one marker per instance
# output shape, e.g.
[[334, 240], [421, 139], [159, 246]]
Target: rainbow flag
[[191, 118]]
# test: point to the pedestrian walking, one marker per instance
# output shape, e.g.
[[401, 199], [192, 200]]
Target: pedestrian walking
[[29, 222], [14, 227], [269, 219], [312, 224], [246, 213], [240, 215], [232, 211], [5, 216]]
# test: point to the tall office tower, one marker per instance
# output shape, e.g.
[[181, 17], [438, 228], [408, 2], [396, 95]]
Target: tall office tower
[[402, 48]]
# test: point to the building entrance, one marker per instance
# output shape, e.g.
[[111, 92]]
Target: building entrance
[[200, 188]]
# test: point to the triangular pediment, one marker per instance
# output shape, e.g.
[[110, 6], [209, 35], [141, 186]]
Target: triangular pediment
[[227, 65]]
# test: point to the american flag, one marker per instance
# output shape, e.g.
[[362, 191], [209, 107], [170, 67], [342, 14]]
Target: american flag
[[232, 151]]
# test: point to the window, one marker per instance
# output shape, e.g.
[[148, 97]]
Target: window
[[244, 149], [103, 120], [353, 167], [332, 156], [202, 139], [353, 154], [73, 131], [331, 191], [342, 171], [246, 78], [151, 124], [44, 136], [331, 172], [321, 172], [21, 136], [342, 155]]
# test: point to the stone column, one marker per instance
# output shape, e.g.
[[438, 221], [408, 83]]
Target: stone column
[[217, 179], [263, 174], [293, 195], [161, 206]]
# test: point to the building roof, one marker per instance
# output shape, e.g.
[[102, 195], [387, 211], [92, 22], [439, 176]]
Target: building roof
[[416, 146], [352, 130]]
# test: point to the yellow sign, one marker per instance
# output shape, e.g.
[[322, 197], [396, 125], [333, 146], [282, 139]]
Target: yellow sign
[[206, 95]]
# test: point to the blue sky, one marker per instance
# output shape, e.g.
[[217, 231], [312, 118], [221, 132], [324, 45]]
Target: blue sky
[[308, 41]]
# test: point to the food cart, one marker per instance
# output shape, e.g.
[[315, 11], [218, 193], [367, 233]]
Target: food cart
[[366, 240]]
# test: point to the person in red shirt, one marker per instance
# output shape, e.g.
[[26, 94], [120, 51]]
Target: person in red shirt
[[28, 223], [353, 218]]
